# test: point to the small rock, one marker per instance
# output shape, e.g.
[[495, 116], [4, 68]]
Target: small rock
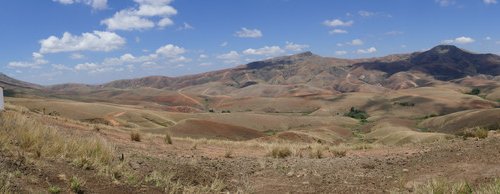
[[406, 170]]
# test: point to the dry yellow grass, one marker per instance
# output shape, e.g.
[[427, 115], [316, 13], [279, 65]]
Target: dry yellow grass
[[443, 186], [32, 136]]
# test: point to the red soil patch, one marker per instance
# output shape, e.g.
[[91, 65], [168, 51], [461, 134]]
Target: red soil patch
[[207, 129]]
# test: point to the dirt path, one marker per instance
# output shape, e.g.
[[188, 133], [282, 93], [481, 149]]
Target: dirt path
[[111, 118], [190, 98]]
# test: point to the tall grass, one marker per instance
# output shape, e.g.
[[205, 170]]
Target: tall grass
[[18, 130]]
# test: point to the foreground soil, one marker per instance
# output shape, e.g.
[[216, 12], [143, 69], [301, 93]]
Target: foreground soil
[[250, 170]]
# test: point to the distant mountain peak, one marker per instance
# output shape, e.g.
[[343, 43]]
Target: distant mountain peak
[[446, 49]]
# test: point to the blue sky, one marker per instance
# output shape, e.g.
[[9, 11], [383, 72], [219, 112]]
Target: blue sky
[[96, 41]]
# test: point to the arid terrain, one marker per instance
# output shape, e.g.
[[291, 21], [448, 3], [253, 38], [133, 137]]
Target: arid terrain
[[424, 122]]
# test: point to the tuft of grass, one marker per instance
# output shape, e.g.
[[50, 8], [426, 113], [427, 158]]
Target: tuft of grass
[[135, 136], [228, 153], [54, 190], [76, 185], [280, 152], [338, 152], [168, 139], [477, 132], [5, 182], [316, 153]]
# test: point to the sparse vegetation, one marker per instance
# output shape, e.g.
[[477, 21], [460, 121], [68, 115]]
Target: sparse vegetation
[[443, 186], [357, 114], [135, 136], [474, 91], [338, 152], [54, 190], [280, 152], [410, 104], [32, 136], [76, 185], [476, 132]]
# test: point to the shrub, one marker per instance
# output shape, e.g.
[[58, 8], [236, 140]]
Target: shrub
[[475, 91], [405, 104], [135, 136], [357, 114], [168, 139], [54, 189], [76, 185], [480, 133], [281, 152]]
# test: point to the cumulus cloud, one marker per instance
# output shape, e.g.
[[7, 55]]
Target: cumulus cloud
[[95, 4], [295, 47], [248, 33], [170, 51], [143, 17], [95, 41], [490, 1], [230, 57], [366, 51], [338, 31], [266, 51], [166, 55], [459, 40], [61, 67], [337, 23], [36, 62]]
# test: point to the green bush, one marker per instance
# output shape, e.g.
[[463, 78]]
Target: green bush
[[475, 91], [357, 114]]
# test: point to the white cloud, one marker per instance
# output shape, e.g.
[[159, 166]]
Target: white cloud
[[490, 1], [224, 44], [76, 56], [96, 41], [339, 53], [61, 67], [203, 56], [95, 4], [230, 57], [295, 47], [366, 51], [165, 22], [165, 55], [459, 40], [337, 23], [185, 26], [144, 17], [487, 38], [127, 20], [170, 51], [445, 3], [248, 33], [338, 31], [36, 62], [266, 51], [356, 42]]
